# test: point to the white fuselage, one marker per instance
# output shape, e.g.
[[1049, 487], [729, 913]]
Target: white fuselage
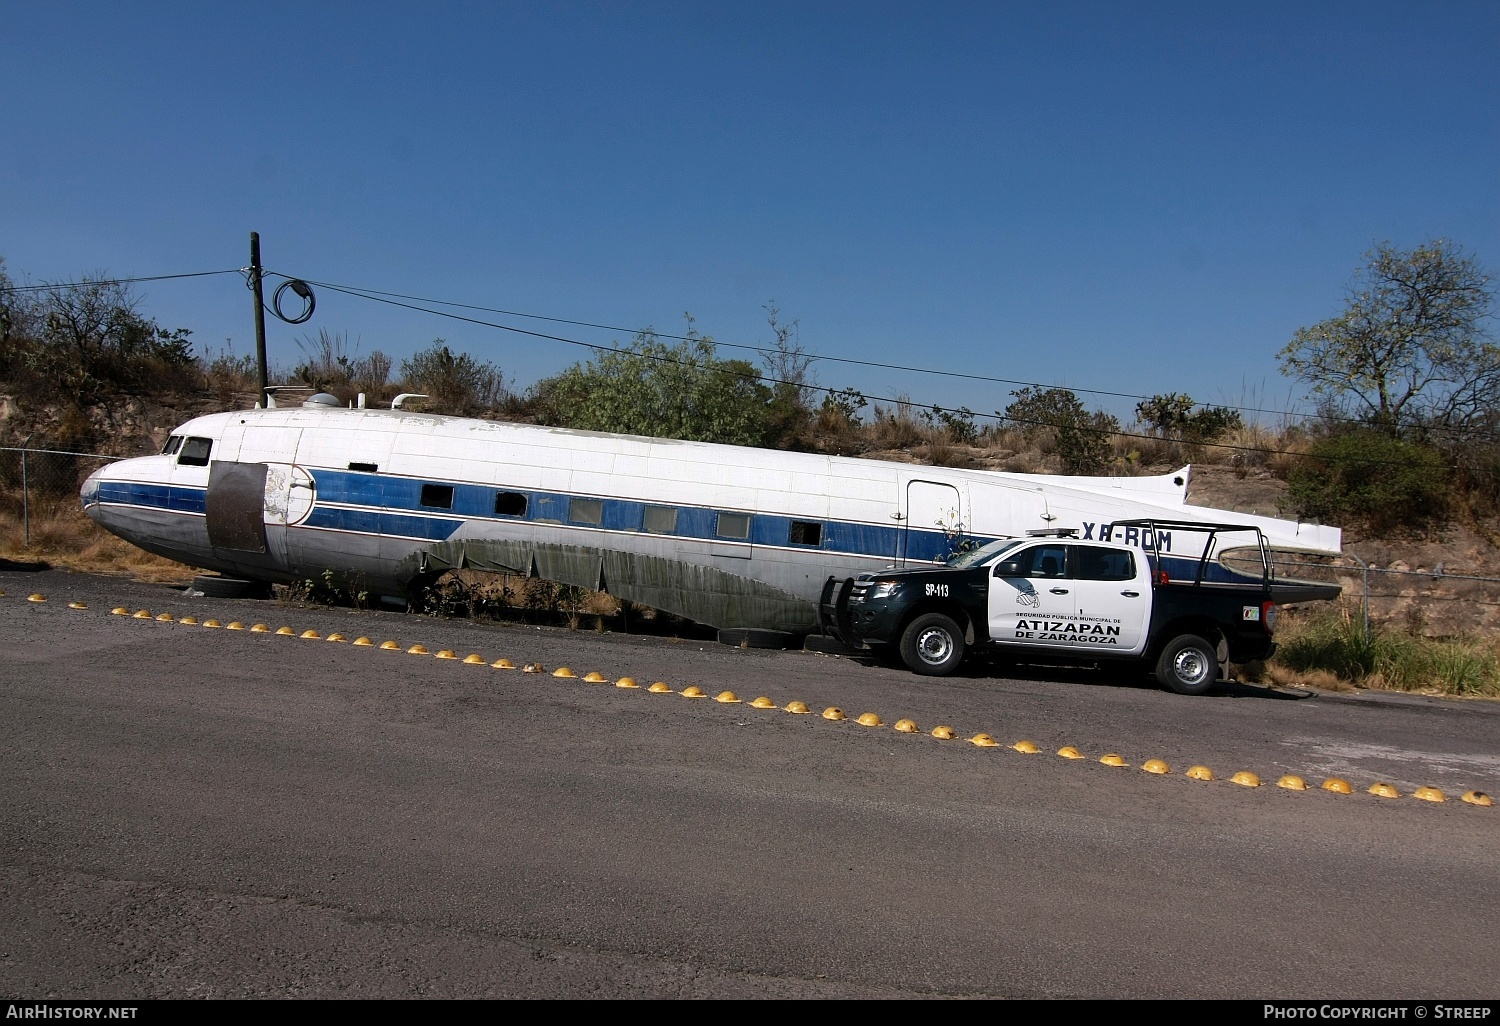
[[725, 535]]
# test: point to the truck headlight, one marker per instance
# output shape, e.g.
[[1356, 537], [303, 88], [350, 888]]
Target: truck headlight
[[882, 589]]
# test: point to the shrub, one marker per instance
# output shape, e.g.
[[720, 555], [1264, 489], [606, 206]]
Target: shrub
[[1367, 477]]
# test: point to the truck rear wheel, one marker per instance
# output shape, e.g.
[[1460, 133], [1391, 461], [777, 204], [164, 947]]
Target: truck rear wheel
[[1189, 665], [933, 645]]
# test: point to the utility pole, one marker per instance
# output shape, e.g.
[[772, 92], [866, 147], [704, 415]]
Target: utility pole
[[260, 319]]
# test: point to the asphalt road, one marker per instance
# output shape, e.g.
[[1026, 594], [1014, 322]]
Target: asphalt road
[[187, 811]]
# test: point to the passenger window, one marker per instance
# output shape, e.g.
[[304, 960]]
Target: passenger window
[[510, 504], [806, 532], [734, 525], [660, 520], [1104, 564], [174, 442], [586, 511], [195, 452], [437, 496], [1045, 561]]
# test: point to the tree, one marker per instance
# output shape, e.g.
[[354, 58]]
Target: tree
[[650, 388], [1179, 415], [1081, 438], [1411, 350]]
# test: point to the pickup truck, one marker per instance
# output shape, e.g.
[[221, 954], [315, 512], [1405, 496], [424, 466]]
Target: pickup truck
[[1054, 597]]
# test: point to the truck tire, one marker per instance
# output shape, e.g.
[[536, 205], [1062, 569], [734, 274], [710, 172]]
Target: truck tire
[[1189, 665], [933, 645]]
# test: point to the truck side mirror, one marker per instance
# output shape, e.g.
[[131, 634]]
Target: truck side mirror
[[1009, 568]]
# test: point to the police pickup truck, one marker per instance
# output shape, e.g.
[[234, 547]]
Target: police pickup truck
[[1153, 593]]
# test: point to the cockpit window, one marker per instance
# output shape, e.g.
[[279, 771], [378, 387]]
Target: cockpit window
[[195, 452], [985, 554], [174, 442]]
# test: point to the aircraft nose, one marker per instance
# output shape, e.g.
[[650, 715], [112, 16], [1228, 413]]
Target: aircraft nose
[[89, 493]]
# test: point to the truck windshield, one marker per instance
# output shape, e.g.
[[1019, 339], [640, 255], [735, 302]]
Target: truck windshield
[[982, 555]]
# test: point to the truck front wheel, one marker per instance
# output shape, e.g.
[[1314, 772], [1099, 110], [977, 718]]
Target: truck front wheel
[[933, 645], [1189, 665]]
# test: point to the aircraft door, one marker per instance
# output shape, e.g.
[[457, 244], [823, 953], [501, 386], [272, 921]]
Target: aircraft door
[[235, 506], [933, 511], [1031, 598]]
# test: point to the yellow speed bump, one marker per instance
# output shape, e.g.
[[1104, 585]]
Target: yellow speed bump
[[142, 614], [1335, 785], [1025, 747], [1245, 779], [447, 653], [212, 623], [1478, 798], [475, 659], [234, 625], [868, 720], [390, 646], [906, 727], [1199, 773], [189, 621], [943, 732], [727, 698], [1069, 752], [36, 597], [286, 632], [335, 636], [164, 618], [503, 664], [659, 688], [833, 712], [595, 677], [798, 708], [693, 691], [563, 671], [1113, 760], [417, 649], [77, 605], [362, 642], [120, 611], [260, 628], [1157, 766], [1384, 791], [1291, 782], [983, 741], [310, 635], [1429, 794], [762, 703], [626, 682]]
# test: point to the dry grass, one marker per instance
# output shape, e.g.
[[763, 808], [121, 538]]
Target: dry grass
[[67, 538]]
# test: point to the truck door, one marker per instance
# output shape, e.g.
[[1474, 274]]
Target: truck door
[[1112, 596], [1031, 598], [932, 508]]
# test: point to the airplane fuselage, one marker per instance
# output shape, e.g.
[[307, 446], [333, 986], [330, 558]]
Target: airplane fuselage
[[725, 535]]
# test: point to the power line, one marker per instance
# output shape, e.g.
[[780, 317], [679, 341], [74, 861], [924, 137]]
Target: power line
[[372, 296], [116, 281], [962, 375]]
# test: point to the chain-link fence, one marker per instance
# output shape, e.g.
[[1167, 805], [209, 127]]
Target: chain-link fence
[[36, 484]]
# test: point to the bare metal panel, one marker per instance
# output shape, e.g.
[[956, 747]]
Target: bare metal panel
[[235, 508]]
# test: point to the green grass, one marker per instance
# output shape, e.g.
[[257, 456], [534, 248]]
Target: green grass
[[1334, 642]]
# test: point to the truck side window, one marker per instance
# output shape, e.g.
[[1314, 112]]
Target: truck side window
[[1045, 561], [195, 452], [1095, 564]]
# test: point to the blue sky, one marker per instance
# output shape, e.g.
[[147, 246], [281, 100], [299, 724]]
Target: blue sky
[[1129, 197]]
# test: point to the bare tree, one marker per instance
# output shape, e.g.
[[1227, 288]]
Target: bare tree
[[1411, 349]]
